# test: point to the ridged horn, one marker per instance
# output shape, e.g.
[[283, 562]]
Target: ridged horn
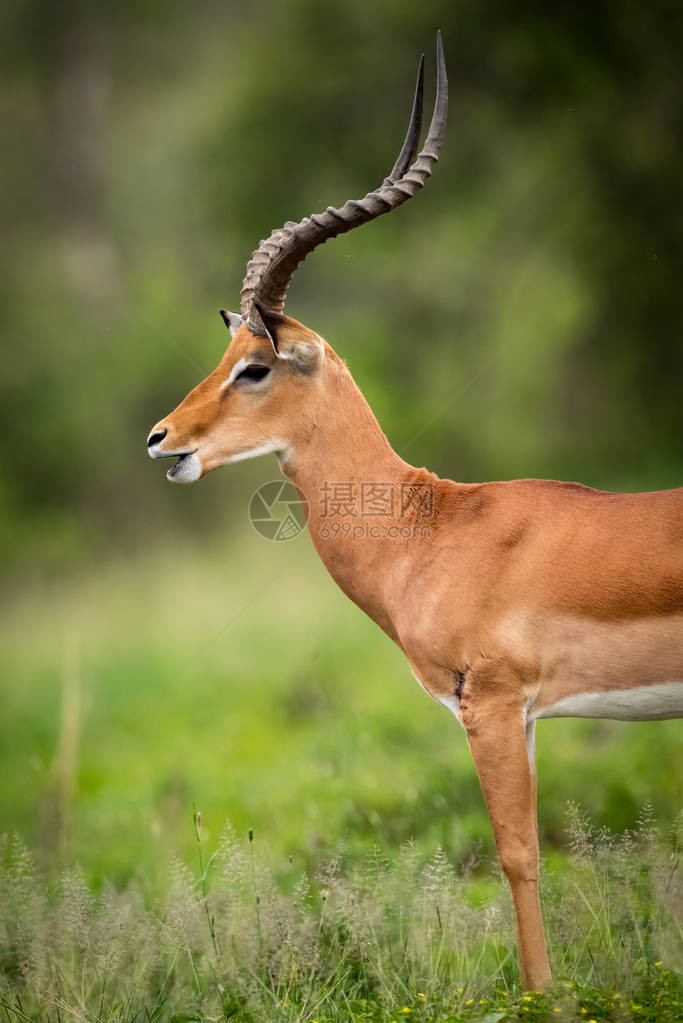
[[272, 265], [412, 139]]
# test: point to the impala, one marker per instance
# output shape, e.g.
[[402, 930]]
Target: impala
[[512, 601]]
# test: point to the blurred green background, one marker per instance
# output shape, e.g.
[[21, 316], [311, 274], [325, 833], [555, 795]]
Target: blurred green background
[[148, 147]]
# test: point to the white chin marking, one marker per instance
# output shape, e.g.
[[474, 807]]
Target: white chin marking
[[644, 703], [187, 469]]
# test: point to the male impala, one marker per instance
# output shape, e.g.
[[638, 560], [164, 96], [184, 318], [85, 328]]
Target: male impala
[[512, 601]]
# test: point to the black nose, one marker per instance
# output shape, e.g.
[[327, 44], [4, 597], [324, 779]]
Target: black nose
[[156, 438]]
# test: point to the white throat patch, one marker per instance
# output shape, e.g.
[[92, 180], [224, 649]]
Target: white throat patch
[[263, 449]]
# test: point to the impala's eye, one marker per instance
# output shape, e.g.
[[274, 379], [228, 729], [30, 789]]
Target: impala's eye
[[253, 373]]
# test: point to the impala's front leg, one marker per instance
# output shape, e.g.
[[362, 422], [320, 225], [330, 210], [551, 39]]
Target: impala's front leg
[[492, 711]]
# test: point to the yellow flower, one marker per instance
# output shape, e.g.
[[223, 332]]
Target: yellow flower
[[420, 994], [405, 1009], [584, 1011], [659, 963], [469, 1001], [527, 998]]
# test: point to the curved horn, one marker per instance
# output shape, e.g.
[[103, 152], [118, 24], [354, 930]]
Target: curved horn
[[272, 265], [412, 139]]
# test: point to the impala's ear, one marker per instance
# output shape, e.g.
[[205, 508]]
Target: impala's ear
[[305, 354], [233, 321], [290, 339]]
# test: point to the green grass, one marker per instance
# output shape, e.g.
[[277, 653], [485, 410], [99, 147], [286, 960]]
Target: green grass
[[301, 721], [374, 940]]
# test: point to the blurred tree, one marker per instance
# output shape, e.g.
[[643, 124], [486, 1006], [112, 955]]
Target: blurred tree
[[150, 145]]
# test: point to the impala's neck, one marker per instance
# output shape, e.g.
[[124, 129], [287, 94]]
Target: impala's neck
[[354, 483], [344, 437]]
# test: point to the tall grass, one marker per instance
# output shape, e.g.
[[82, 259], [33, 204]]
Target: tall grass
[[378, 940]]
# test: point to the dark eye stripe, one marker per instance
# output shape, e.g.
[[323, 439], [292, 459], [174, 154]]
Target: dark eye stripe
[[254, 372]]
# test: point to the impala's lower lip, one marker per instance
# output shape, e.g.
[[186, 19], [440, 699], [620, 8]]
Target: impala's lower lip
[[174, 468], [187, 469]]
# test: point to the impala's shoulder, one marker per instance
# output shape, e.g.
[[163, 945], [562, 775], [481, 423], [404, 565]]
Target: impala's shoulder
[[558, 488], [477, 497], [465, 501], [514, 506]]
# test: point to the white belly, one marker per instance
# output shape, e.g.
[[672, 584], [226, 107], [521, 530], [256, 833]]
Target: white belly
[[643, 703]]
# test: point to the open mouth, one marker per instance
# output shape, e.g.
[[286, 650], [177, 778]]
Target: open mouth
[[187, 469], [177, 469]]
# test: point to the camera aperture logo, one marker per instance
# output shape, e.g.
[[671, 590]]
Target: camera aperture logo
[[276, 511]]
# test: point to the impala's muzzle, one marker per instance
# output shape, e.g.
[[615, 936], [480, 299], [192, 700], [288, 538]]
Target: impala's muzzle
[[187, 469]]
